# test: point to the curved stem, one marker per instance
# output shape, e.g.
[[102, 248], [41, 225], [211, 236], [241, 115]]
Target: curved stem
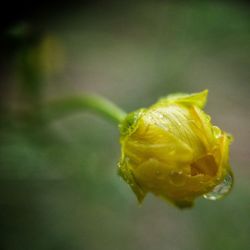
[[100, 105]]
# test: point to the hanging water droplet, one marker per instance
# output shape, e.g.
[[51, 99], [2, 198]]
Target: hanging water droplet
[[220, 190]]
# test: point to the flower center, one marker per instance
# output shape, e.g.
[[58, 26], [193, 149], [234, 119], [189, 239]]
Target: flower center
[[206, 165]]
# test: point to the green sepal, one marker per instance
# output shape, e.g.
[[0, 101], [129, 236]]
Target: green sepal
[[128, 125]]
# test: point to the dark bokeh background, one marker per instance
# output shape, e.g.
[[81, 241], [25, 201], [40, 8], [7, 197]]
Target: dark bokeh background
[[59, 187]]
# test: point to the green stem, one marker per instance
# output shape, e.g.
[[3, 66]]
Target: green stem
[[60, 108]]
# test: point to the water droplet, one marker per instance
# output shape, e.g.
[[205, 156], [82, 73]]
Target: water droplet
[[172, 152], [216, 131], [157, 172], [177, 178], [220, 190], [159, 175]]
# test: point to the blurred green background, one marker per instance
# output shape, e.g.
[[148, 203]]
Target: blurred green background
[[59, 187]]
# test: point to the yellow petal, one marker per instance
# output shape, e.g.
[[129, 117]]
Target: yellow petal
[[198, 99]]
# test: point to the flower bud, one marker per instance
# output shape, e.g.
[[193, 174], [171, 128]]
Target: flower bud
[[172, 150]]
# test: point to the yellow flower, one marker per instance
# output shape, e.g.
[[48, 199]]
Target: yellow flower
[[172, 150]]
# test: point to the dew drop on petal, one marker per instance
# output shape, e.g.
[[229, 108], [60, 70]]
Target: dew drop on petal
[[177, 178], [159, 175], [157, 172], [220, 190]]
